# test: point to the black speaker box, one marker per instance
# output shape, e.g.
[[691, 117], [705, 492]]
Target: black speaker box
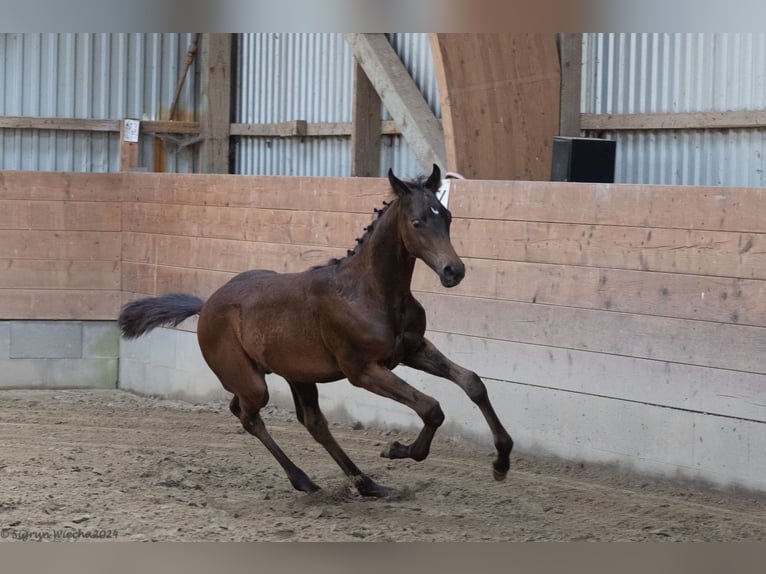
[[583, 159]]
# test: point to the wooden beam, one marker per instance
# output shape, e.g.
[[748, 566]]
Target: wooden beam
[[215, 105], [94, 125], [402, 98], [128, 145], [743, 119], [293, 129], [169, 127], [69, 124], [366, 127], [570, 55]]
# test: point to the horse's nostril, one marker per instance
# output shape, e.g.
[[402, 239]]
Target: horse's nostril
[[453, 273]]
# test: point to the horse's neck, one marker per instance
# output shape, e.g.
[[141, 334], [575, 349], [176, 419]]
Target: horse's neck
[[383, 260]]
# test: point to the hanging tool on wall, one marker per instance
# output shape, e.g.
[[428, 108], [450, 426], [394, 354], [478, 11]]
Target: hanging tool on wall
[[160, 152]]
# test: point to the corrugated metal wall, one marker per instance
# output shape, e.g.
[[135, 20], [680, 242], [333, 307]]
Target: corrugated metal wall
[[309, 76], [660, 72], [99, 76]]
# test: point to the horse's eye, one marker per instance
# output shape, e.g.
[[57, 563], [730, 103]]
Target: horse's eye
[[417, 224]]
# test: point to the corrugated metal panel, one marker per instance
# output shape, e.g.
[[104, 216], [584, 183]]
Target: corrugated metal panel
[[99, 76], [309, 76], [659, 72], [286, 77]]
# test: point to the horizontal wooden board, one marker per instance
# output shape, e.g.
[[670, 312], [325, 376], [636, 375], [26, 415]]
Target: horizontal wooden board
[[698, 389], [300, 128], [67, 245], [59, 274], [699, 297], [95, 125], [58, 186], [733, 347], [223, 254], [354, 195], [57, 304], [251, 224], [701, 208], [717, 120], [159, 280], [716, 253], [60, 215], [675, 207]]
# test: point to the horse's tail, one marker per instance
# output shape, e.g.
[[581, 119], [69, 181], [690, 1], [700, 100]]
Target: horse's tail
[[143, 315]]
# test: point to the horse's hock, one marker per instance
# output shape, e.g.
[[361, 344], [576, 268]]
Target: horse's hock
[[611, 323]]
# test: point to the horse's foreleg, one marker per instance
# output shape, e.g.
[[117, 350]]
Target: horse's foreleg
[[309, 414], [429, 359], [383, 382]]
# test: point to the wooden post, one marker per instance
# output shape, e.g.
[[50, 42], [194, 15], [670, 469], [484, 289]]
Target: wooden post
[[129, 134], [215, 104], [366, 127], [570, 53]]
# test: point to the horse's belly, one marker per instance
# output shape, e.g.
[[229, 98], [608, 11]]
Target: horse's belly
[[294, 356]]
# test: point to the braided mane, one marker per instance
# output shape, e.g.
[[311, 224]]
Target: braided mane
[[361, 239], [418, 181]]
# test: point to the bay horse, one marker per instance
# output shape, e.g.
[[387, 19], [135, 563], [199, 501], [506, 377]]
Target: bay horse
[[352, 318]]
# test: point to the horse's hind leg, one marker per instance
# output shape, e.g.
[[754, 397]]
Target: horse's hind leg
[[240, 376], [307, 409], [253, 423], [429, 359]]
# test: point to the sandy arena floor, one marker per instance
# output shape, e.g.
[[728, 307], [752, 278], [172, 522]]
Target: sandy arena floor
[[110, 464]]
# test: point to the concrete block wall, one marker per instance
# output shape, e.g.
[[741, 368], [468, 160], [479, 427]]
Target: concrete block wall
[[168, 363], [59, 354]]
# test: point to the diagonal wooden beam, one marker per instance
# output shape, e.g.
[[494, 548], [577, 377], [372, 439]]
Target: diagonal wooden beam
[[402, 98]]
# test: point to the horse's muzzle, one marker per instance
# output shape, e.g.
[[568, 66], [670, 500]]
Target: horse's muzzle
[[452, 274]]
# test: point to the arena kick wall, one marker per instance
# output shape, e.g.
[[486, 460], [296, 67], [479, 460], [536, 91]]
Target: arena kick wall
[[611, 323]]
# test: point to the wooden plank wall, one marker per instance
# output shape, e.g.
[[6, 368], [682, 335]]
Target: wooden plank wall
[[648, 294], [644, 295], [60, 245]]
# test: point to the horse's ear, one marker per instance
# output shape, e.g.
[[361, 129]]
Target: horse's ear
[[434, 180], [400, 188]]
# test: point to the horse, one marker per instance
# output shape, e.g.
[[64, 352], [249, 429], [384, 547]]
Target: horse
[[354, 318]]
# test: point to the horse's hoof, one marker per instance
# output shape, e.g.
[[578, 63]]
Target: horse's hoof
[[502, 472], [368, 487], [375, 490], [499, 476], [307, 485], [396, 450]]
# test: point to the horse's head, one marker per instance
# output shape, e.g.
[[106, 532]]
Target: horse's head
[[424, 226]]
